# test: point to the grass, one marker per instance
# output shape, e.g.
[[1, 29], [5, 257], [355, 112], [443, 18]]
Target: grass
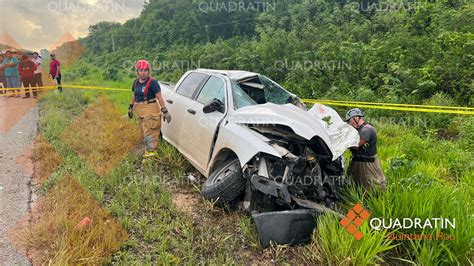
[[427, 177], [139, 197], [101, 136], [56, 236], [337, 246], [47, 159]]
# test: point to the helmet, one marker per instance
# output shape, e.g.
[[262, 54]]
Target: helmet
[[142, 64], [353, 112]]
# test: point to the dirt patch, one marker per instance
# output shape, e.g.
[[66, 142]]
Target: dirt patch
[[101, 136], [24, 160], [13, 110], [187, 203]]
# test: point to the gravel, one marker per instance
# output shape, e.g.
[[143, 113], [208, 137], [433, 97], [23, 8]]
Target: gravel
[[15, 190]]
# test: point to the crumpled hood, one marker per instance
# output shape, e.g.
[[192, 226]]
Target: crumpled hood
[[303, 123], [342, 135]]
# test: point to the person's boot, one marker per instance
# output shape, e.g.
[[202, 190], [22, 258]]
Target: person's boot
[[149, 155], [27, 95], [35, 94]]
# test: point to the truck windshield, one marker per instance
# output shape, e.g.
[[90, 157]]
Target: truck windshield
[[241, 99], [259, 90], [274, 93]]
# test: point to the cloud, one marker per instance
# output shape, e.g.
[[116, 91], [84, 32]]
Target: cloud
[[37, 24]]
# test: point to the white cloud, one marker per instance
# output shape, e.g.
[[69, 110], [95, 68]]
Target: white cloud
[[37, 24]]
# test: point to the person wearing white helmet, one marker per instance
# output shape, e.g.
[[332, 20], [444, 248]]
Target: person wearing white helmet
[[365, 168]]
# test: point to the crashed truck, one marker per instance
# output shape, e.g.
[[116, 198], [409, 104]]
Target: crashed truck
[[259, 148]]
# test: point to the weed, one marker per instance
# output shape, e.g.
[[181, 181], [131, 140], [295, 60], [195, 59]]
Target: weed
[[56, 235], [101, 137], [338, 246], [427, 177], [46, 158]]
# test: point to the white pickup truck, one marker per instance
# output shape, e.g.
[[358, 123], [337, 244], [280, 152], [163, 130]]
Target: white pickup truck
[[257, 144]]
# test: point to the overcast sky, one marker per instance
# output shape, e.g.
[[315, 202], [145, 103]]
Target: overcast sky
[[37, 24]]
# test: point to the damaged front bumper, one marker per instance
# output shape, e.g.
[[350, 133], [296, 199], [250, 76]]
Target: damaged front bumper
[[285, 227], [285, 212]]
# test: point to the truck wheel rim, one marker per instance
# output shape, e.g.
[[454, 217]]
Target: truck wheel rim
[[225, 172]]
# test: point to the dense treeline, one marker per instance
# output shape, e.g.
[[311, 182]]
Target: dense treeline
[[398, 51]]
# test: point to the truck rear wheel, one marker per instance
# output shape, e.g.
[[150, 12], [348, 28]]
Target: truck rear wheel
[[225, 184]]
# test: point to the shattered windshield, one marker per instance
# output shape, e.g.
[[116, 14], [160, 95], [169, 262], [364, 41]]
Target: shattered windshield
[[258, 90], [274, 93], [241, 99]]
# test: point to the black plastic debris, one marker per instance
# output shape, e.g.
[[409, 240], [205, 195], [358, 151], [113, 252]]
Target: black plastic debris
[[285, 227]]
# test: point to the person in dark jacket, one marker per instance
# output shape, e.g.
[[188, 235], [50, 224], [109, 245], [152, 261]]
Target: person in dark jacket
[[365, 168]]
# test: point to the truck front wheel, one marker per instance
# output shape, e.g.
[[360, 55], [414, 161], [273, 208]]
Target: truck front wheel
[[225, 184]]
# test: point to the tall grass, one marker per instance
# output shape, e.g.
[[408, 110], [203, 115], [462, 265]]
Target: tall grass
[[55, 236], [427, 177], [339, 247], [139, 197], [47, 159], [101, 136]]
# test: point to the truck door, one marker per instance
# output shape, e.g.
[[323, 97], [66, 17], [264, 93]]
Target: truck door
[[177, 102], [199, 128]]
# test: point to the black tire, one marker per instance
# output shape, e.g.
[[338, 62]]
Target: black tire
[[225, 184]]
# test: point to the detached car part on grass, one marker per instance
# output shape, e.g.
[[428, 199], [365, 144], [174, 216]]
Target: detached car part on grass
[[258, 146]]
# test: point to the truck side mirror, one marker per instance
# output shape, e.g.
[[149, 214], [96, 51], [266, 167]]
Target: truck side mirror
[[214, 105]]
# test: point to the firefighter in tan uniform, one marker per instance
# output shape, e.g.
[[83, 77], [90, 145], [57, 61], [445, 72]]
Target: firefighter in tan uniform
[[365, 168], [148, 106]]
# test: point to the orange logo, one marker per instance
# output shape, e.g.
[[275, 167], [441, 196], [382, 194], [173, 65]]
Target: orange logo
[[354, 219]]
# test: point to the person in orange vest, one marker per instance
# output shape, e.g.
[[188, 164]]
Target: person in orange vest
[[27, 68], [148, 105]]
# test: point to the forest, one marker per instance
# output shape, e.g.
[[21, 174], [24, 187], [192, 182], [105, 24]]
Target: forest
[[392, 51]]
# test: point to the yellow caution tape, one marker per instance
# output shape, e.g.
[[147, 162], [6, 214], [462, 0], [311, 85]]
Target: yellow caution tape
[[16, 89], [400, 104], [375, 105], [398, 108]]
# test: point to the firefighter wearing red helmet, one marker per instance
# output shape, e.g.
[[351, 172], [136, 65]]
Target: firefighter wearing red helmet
[[148, 105]]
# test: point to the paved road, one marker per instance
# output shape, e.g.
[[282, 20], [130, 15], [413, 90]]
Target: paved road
[[14, 179]]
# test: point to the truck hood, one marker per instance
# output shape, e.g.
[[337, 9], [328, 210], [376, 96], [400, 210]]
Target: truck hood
[[338, 137]]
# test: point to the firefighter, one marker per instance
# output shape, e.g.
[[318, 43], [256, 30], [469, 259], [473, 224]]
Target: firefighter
[[365, 168], [148, 106]]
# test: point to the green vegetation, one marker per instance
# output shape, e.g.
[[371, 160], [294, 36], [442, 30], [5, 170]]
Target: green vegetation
[[140, 198], [427, 177], [393, 51], [416, 52]]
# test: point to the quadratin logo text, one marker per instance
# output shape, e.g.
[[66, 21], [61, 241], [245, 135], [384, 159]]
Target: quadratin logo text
[[358, 215], [354, 219]]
